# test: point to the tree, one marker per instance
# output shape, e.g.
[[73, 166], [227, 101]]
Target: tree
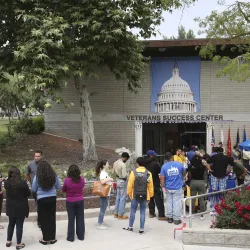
[[232, 24], [48, 41], [12, 98], [182, 34]]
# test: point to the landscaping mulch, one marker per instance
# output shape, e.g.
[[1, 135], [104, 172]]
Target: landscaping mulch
[[61, 153], [56, 150]]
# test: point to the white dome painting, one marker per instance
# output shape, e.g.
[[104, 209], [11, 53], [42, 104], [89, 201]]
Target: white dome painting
[[175, 95]]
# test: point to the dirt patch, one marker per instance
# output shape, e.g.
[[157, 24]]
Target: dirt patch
[[58, 151]]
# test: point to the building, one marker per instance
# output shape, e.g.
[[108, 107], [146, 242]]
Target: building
[[176, 95], [161, 122]]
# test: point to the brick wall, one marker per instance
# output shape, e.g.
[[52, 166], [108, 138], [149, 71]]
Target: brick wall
[[218, 95]]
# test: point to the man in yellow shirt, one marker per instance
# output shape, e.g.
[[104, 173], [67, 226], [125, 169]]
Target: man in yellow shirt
[[140, 190]]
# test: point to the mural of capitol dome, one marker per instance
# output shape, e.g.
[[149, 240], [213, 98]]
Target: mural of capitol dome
[[175, 96]]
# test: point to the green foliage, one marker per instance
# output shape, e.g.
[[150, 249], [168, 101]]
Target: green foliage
[[234, 24], [44, 43], [88, 175], [27, 125], [4, 125], [48, 41], [4, 167], [5, 140], [13, 97], [182, 34], [234, 210]]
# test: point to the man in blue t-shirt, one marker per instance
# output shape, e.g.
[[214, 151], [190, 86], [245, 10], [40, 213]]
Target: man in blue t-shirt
[[171, 176]]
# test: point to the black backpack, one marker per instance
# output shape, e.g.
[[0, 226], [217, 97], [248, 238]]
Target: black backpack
[[140, 185]]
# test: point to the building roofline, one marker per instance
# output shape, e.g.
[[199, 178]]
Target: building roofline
[[191, 42]]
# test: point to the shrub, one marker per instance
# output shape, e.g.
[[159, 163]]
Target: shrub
[[234, 210], [4, 167], [27, 125], [4, 141]]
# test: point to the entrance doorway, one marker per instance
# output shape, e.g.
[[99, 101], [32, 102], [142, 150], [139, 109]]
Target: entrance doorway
[[163, 137]]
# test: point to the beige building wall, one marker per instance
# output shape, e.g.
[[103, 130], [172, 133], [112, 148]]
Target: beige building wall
[[111, 97]]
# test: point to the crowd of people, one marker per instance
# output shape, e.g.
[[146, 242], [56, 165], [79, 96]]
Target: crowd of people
[[44, 184], [145, 184]]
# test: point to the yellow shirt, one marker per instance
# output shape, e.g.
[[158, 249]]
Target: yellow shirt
[[131, 180], [179, 158]]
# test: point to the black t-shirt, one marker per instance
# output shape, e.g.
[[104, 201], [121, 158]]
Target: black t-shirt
[[197, 169], [152, 165], [219, 165]]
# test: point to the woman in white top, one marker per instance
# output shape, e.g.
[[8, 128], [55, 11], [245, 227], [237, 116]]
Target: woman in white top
[[101, 172]]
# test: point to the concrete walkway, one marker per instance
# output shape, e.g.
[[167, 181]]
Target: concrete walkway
[[158, 236]]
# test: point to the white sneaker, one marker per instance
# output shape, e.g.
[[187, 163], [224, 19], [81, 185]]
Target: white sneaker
[[102, 227], [202, 218]]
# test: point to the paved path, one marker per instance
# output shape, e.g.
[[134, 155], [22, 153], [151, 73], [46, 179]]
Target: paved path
[[158, 236]]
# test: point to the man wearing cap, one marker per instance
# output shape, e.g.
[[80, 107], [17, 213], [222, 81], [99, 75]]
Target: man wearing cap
[[153, 166], [171, 177]]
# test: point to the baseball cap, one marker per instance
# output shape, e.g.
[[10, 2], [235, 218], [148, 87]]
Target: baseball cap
[[151, 152]]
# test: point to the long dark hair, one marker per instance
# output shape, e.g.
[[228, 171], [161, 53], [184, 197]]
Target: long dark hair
[[14, 176], [99, 167], [74, 173], [46, 177]]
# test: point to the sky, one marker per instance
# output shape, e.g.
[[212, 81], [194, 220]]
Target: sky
[[201, 8]]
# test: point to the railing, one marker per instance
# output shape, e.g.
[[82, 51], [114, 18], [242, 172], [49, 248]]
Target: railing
[[88, 183], [191, 198]]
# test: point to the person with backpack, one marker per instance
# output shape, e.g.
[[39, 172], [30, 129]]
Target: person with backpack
[[140, 189], [171, 177]]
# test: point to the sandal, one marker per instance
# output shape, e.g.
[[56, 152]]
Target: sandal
[[20, 246], [53, 241], [44, 242], [8, 244]]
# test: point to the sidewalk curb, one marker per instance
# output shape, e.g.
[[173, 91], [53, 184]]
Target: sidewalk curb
[[88, 213]]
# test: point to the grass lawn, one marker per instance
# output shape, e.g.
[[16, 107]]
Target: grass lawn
[[3, 123]]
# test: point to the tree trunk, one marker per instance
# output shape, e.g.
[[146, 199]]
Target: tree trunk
[[17, 112], [88, 136]]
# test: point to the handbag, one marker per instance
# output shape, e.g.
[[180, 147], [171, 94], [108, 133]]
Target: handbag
[[101, 190]]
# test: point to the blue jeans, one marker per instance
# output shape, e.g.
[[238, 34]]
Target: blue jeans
[[174, 204], [120, 202], [134, 205], [103, 208], [75, 216]]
